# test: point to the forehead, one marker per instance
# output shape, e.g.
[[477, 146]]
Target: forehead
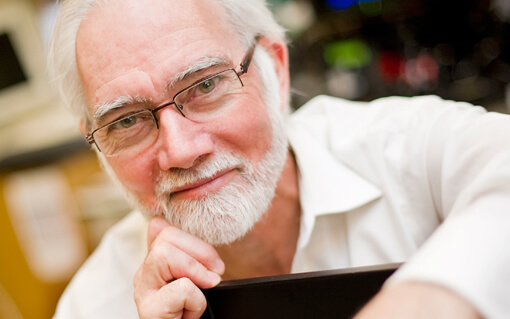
[[149, 40]]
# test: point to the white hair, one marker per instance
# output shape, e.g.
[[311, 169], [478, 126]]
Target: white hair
[[247, 17]]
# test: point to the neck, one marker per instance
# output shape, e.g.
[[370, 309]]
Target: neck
[[269, 248]]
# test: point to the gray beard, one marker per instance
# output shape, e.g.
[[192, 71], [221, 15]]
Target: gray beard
[[229, 214]]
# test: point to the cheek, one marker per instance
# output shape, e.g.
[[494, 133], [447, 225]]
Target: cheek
[[247, 130], [136, 174]]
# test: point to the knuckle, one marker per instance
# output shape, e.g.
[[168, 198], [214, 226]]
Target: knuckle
[[186, 287], [158, 254], [137, 277], [211, 256], [167, 258], [172, 299], [208, 251], [195, 299], [191, 265], [169, 234], [186, 267]]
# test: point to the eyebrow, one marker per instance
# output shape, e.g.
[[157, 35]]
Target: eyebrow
[[202, 64], [103, 109]]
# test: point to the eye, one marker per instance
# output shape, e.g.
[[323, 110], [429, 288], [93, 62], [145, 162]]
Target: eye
[[128, 122], [207, 86]]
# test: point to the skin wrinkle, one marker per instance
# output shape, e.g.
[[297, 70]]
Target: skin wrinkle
[[120, 102], [225, 219], [200, 65], [113, 68], [171, 82], [124, 101], [221, 203], [180, 142], [140, 176]]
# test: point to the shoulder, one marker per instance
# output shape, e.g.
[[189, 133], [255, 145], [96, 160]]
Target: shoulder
[[344, 123], [103, 287], [328, 107]]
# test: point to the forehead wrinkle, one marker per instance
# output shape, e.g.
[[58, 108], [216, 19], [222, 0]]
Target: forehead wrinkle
[[122, 101], [201, 64]]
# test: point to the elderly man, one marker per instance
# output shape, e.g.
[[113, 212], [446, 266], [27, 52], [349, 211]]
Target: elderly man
[[186, 104]]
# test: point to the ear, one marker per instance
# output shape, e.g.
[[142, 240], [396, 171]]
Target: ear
[[82, 127], [278, 51]]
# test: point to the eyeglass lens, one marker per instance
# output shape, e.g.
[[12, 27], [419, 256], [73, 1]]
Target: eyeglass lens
[[201, 102]]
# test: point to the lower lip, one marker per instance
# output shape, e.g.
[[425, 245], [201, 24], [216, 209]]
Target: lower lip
[[205, 189]]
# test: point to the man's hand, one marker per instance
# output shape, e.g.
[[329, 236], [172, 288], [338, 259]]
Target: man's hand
[[418, 300], [177, 264]]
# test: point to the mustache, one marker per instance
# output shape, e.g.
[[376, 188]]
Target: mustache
[[204, 168]]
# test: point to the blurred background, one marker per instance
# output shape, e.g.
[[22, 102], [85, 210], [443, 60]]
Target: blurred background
[[55, 203]]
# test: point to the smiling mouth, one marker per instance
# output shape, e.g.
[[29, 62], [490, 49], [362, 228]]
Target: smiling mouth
[[206, 186]]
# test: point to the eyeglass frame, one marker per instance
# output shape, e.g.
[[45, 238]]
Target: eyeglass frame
[[244, 65]]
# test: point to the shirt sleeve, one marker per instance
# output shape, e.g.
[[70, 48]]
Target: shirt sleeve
[[467, 168], [103, 287]]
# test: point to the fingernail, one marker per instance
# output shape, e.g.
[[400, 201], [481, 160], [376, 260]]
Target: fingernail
[[214, 278], [219, 266]]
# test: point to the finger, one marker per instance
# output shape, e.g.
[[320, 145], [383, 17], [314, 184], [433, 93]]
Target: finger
[[156, 225], [191, 300], [178, 299], [200, 250], [165, 263]]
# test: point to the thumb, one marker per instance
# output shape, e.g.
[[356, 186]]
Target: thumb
[[156, 225]]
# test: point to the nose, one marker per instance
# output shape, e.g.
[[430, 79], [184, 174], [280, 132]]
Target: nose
[[181, 141]]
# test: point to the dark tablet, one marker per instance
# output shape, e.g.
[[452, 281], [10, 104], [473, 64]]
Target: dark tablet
[[324, 294]]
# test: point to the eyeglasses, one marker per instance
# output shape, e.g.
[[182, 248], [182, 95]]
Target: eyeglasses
[[202, 101]]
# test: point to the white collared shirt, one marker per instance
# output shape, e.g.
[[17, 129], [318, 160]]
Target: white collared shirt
[[420, 180], [376, 181]]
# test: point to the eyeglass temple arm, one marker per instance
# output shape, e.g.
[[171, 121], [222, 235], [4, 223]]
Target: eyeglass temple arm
[[89, 138], [249, 56]]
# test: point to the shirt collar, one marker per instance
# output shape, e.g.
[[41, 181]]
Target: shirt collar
[[326, 186]]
